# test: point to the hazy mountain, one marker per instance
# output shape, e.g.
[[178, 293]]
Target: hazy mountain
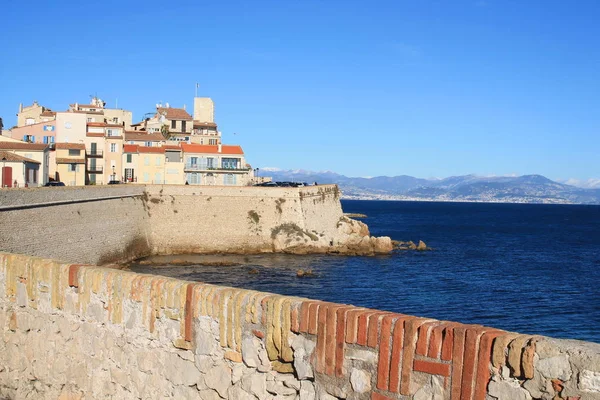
[[518, 189]]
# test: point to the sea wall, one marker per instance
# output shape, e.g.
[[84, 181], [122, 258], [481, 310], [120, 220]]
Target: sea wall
[[100, 225], [71, 331]]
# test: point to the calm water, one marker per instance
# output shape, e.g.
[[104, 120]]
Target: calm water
[[527, 268]]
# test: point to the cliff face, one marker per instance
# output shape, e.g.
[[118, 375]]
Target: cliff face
[[99, 225]]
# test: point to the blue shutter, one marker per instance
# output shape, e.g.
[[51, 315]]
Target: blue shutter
[[24, 138], [33, 139], [45, 139]]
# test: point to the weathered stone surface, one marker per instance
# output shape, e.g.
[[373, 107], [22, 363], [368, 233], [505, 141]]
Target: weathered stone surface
[[508, 390], [360, 380], [219, 379], [250, 348], [236, 392], [255, 384], [555, 367], [589, 381], [307, 390], [432, 390]]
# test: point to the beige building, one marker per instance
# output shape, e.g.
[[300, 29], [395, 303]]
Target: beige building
[[104, 151], [18, 171], [204, 109], [70, 163], [215, 165], [96, 111], [34, 114], [205, 133], [148, 139], [37, 152], [158, 165]]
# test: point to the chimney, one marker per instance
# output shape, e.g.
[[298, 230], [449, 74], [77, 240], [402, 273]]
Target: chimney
[[219, 147], [20, 107], [184, 106]]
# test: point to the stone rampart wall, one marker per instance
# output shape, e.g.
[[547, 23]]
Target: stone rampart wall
[[91, 332], [99, 225]]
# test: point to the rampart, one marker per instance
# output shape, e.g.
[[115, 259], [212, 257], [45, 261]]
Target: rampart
[[99, 225], [70, 331]]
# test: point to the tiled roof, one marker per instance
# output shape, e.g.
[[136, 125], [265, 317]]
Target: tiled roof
[[174, 113], [171, 147], [12, 157], [203, 148], [22, 146], [70, 146], [70, 161], [48, 113], [130, 148], [146, 149], [198, 124], [143, 136], [96, 124], [94, 134]]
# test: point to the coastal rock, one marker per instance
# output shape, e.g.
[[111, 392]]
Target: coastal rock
[[421, 246]]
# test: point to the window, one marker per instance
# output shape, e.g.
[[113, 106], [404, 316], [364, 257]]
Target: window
[[230, 163], [113, 147], [193, 178], [146, 177], [229, 179], [146, 160], [73, 167], [157, 178], [112, 132], [129, 157], [148, 144], [192, 162], [90, 120], [115, 120], [158, 161], [129, 174], [74, 152], [212, 142], [182, 126], [173, 124], [29, 121], [210, 162]]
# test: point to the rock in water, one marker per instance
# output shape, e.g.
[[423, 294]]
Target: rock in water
[[421, 246]]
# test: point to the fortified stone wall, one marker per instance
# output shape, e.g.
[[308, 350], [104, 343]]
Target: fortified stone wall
[[91, 332], [98, 225]]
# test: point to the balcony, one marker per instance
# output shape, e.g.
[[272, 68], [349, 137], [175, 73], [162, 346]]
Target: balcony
[[199, 167], [93, 153], [94, 169]]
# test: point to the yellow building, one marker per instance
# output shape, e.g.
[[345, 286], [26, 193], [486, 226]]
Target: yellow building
[[70, 163], [158, 165], [215, 165]]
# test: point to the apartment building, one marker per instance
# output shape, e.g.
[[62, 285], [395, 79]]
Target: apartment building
[[215, 165], [34, 114], [36, 152], [70, 163], [158, 165]]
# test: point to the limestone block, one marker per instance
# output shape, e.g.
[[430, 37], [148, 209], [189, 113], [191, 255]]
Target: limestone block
[[206, 342], [210, 394], [219, 378], [180, 371], [508, 390], [307, 390], [589, 381], [255, 384], [236, 392], [119, 376], [555, 367], [250, 348], [432, 390], [289, 380], [278, 388], [147, 361], [185, 393], [360, 380]]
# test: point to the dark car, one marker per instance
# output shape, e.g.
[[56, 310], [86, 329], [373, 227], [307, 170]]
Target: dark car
[[114, 182], [54, 183], [266, 184]]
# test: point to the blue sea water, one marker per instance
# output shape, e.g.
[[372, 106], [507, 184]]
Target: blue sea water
[[526, 268]]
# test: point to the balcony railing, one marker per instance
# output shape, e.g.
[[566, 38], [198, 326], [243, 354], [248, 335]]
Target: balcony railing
[[94, 168], [199, 167], [93, 153]]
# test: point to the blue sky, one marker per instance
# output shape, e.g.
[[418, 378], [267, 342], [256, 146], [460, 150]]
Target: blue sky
[[423, 88]]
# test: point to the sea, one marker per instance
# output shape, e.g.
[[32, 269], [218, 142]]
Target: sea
[[528, 268]]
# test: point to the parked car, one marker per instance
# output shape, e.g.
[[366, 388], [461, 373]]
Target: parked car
[[266, 184], [114, 182], [54, 183]]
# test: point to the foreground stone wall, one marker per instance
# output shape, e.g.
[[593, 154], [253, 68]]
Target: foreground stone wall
[[99, 225], [91, 332]]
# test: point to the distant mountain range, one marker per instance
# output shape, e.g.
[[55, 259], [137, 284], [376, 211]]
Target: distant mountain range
[[520, 189]]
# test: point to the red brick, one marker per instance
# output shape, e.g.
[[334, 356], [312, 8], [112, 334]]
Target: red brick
[[258, 334], [313, 313], [448, 342], [304, 317], [410, 342], [330, 339], [470, 361], [294, 323], [458, 347], [435, 342], [433, 368], [378, 396], [483, 363], [396, 358], [321, 337], [189, 312], [74, 275], [423, 341], [340, 339], [363, 326], [383, 365], [373, 333], [352, 325]]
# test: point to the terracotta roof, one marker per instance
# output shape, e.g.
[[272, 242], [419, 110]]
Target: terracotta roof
[[198, 124], [130, 148], [12, 157], [87, 112], [144, 137], [70, 146], [94, 134], [96, 124], [48, 113], [175, 113], [146, 149], [171, 147], [203, 148], [22, 146], [70, 161]]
